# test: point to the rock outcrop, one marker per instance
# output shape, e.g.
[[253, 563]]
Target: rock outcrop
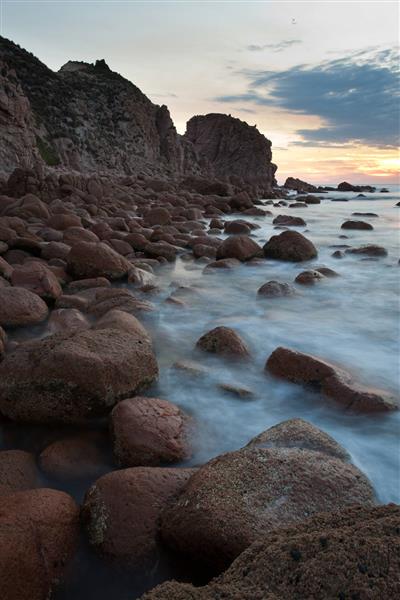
[[233, 148]]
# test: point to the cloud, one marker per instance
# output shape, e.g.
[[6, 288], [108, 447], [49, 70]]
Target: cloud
[[278, 47], [356, 97]]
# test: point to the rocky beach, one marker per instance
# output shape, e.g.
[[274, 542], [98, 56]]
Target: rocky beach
[[198, 366]]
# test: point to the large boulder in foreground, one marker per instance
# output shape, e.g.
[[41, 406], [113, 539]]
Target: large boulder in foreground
[[19, 307], [240, 247], [291, 246], [87, 259], [349, 553], [297, 433], [121, 513], [331, 380], [149, 432], [39, 532], [69, 377], [235, 498]]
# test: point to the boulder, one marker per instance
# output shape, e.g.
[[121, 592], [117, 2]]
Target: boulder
[[87, 260], [73, 458], [18, 471], [237, 227], [149, 432], [289, 221], [240, 247], [309, 277], [368, 250], [291, 246], [332, 381], [73, 376], [237, 497], [297, 433], [39, 532], [121, 513], [19, 307], [223, 341], [119, 319], [37, 278], [348, 553], [275, 289], [356, 225], [67, 319]]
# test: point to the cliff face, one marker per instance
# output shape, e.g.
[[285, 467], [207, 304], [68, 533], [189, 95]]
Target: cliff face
[[88, 118], [234, 148]]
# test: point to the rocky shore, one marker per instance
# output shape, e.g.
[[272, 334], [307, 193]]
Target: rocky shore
[[83, 252]]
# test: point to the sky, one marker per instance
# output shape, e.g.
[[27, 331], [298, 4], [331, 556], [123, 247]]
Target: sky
[[320, 78]]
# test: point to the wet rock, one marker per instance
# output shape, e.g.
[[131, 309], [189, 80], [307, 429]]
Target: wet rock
[[364, 214], [37, 278], [223, 263], [235, 390], [123, 321], [338, 254], [73, 458], [106, 299], [201, 250], [84, 284], [67, 319], [18, 471], [309, 277], [223, 341], [356, 225], [290, 246], [309, 199], [327, 272], [70, 377], [121, 513], [346, 553], [298, 205], [297, 433], [140, 277], [240, 247], [161, 250], [237, 227], [368, 250], [38, 538], [289, 221], [149, 432], [239, 496], [88, 260], [19, 307], [276, 289], [333, 382]]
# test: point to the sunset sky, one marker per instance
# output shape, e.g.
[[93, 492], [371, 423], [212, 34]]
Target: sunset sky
[[319, 79]]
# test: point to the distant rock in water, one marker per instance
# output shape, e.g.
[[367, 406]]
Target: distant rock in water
[[293, 183], [347, 187]]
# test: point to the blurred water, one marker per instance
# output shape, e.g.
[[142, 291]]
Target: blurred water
[[352, 320]]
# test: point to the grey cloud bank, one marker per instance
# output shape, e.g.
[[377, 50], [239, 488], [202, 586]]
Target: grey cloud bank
[[356, 97]]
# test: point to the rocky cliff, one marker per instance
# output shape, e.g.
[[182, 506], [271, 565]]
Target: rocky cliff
[[87, 118], [234, 148]]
